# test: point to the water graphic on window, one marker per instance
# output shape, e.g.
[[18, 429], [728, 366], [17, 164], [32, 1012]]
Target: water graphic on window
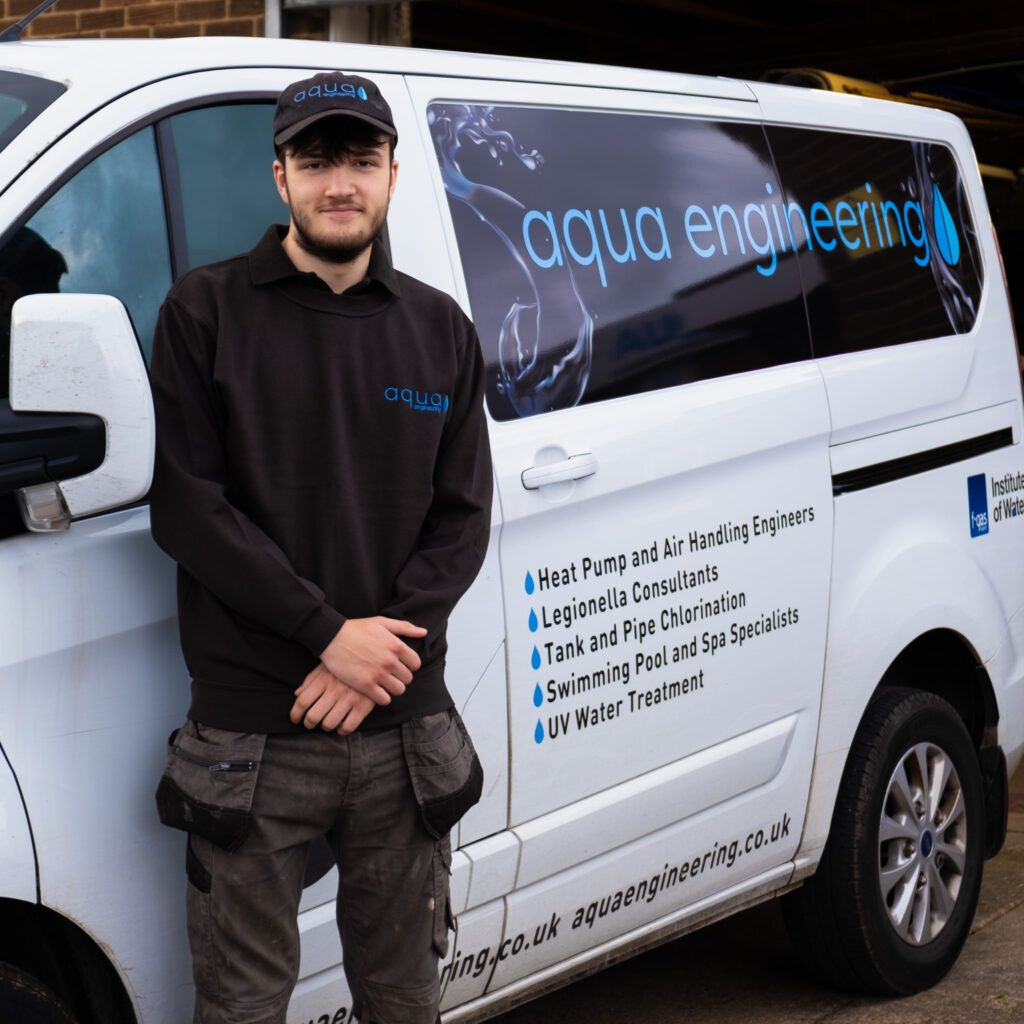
[[535, 377], [957, 283]]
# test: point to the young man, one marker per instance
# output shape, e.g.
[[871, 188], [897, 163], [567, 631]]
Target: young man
[[323, 480]]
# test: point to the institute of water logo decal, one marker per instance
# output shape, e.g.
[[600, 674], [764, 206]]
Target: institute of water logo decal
[[977, 501], [418, 401]]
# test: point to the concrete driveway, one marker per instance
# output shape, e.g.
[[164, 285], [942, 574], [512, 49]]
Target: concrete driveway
[[743, 971]]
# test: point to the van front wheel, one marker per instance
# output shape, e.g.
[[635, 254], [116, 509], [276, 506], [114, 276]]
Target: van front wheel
[[892, 901], [25, 1000]]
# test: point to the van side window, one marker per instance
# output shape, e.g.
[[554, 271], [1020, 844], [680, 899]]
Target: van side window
[[22, 99], [887, 246], [609, 254], [104, 232], [224, 159]]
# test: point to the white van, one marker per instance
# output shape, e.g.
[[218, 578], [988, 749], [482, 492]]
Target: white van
[[750, 620]]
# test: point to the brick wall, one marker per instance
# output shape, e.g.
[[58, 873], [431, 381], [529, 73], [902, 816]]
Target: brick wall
[[81, 19], [92, 19], [306, 23]]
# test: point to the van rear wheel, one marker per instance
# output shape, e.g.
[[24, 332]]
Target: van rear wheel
[[892, 901], [27, 1001]]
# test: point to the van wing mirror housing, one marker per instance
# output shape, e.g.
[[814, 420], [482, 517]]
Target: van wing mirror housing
[[78, 354]]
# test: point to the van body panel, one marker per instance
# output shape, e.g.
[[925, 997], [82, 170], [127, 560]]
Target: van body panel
[[705, 912], [485, 712], [940, 368], [649, 802], [927, 437], [897, 579], [693, 486], [473, 951], [97, 683], [951, 376], [17, 854], [1007, 665], [494, 861], [643, 881]]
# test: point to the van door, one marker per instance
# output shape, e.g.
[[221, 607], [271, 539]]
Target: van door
[[660, 443]]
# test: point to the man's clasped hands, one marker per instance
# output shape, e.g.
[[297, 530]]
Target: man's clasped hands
[[365, 664]]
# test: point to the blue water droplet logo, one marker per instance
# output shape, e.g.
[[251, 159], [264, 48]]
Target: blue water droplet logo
[[535, 658], [529, 582], [362, 93], [538, 696], [945, 229], [533, 621], [538, 733]]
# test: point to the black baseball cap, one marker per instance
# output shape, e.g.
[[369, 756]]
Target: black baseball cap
[[330, 94]]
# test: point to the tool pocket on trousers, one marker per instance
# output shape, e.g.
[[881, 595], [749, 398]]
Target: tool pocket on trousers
[[443, 918], [447, 776], [208, 782]]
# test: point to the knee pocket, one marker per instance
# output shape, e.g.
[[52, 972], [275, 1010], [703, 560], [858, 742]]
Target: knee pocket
[[387, 1004], [444, 919], [199, 917]]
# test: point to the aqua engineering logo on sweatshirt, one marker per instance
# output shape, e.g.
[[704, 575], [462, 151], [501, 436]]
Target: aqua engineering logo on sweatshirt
[[418, 401]]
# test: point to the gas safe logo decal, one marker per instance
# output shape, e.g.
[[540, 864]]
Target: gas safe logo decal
[[977, 501], [419, 401]]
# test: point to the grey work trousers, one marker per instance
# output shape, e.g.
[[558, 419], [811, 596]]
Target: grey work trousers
[[393, 911]]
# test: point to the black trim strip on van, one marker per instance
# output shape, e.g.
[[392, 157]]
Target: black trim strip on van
[[920, 462], [170, 181]]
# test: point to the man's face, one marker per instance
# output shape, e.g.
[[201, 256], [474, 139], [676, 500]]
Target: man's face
[[337, 209]]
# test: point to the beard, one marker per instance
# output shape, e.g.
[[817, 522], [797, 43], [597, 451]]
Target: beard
[[333, 250]]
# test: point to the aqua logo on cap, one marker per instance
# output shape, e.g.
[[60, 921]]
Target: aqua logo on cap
[[330, 94], [329, 89]]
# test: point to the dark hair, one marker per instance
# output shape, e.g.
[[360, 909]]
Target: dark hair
[[334, 138]]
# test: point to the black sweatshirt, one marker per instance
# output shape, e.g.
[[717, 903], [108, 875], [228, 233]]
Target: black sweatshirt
[[318, 457]]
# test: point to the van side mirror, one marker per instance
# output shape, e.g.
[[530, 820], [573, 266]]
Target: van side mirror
[[80, 433]]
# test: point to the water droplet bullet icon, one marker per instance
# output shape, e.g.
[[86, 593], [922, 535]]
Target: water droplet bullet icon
[[538, 733], [529, 582], [538, 696], [535, 658], [533, 621]]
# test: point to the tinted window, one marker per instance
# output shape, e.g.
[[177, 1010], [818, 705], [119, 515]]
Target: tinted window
[[225, 157], [22, 98], [103, 232], [608, 254], [887, 246]]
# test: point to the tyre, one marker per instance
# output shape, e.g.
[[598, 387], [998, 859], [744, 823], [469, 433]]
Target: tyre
[[892, 901], [23, 1000]]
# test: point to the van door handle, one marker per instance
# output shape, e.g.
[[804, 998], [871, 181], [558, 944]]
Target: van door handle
[[573, 468]]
